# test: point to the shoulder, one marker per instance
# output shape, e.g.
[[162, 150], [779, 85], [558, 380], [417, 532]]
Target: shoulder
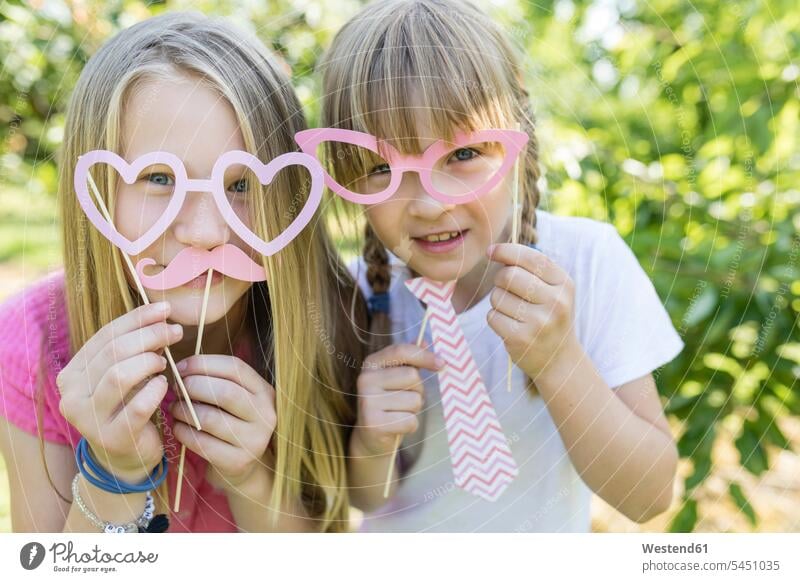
[[29, 320], [570, 233], [593, 253], [33, 307], [580, 246]]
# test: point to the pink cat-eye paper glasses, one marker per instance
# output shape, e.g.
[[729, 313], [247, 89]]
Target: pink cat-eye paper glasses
[[511, 141]]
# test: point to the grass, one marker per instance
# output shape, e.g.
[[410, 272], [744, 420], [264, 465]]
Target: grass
[[29, 232], [5, 499]]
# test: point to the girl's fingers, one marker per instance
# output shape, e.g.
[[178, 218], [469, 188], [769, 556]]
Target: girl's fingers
[[523, 284], [533, 261], [138, 410], [139, 317], [146, 339], [403, 355], [214, 421], [399, 401], [503, 325], [224, 394], [121, 378], [400, 422], [402, 378], [225, 367], [224, 456], [509, 304]]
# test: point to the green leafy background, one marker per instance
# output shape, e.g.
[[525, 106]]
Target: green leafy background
[[677, 121]]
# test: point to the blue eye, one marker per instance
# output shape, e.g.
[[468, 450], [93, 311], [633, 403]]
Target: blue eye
[[465, 154], [379, 169], [239, 186], [160, 179]]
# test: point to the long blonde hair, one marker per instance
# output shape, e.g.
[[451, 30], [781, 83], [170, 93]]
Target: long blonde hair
[[397, 58], [315, 406]]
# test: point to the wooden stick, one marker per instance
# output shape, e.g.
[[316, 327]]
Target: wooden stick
[[515, 202], [400, 437], [514, 236], [145, 300], [179, 485], [203, 310]]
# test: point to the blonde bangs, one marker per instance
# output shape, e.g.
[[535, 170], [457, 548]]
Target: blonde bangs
[[404, 70]]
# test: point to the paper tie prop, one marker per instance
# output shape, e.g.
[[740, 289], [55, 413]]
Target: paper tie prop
[[480, 455]]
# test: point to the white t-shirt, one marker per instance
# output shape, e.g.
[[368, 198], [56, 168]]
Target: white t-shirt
[[623, 327]]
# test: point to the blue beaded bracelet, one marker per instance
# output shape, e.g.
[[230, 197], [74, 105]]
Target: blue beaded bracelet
[[108, 482]]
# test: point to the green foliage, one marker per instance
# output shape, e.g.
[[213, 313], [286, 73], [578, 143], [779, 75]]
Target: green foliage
[[686, 518], [677, 121], [742, 503]]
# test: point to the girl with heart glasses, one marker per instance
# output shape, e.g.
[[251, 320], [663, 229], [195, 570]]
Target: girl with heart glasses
[[185, 128], [424, 116]]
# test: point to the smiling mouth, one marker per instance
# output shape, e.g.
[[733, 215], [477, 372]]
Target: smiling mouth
[[441, 236], [441, 242]]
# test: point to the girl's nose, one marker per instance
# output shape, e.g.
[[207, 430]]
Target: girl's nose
[[200, 223], [421, 204]]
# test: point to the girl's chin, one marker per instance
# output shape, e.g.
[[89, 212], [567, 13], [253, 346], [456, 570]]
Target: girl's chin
[[188, 310], [445, 269], [191, 318], [186, 301]]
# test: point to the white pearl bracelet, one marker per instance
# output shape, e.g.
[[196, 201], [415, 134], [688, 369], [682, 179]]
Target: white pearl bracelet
[[106, 526]]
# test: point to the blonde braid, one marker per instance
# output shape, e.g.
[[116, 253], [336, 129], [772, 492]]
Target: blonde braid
[[379, 277], [530, 171], [530, 185]]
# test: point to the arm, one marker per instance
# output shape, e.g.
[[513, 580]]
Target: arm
[[618, 441], [366, 475], [390, 395], [250, 504], [36, 507], [236, 408]]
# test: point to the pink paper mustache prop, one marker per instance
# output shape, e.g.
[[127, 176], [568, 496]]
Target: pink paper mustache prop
[[191, 262]]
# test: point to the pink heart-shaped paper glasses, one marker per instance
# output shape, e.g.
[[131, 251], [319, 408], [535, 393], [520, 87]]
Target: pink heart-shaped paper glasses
[[183, 185]]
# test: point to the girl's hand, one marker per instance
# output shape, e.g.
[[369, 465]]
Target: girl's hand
[[533, 308], [107, 392], [236, 408], [390, 395]]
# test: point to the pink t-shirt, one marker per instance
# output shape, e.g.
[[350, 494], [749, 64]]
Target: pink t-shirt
[[33, 326]]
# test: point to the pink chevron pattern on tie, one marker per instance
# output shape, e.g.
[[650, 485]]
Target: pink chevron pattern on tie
[[479, 452]]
